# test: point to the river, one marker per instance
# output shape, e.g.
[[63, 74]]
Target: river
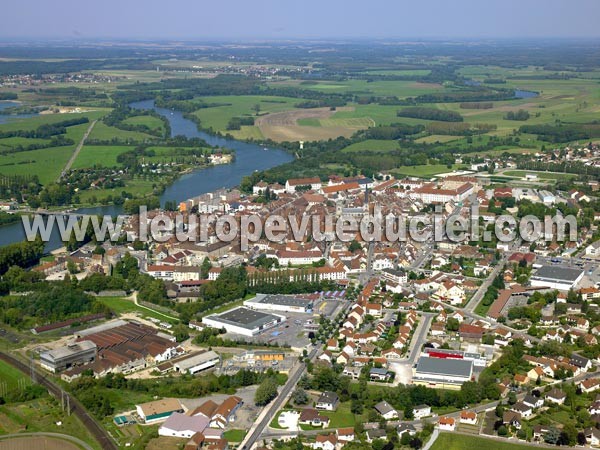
[[248, 158], [5, 118]]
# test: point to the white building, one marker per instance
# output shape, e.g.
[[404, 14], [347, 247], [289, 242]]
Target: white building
[[243, 321], [197, 363], [555, 277]]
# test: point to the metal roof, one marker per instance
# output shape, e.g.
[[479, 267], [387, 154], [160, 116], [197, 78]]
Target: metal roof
[[448, 367]]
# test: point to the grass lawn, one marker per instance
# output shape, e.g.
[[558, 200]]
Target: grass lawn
[[400, 88], [241, 105], [121, 305], [342, 417], [10, 376], [247, 132], [31, 123], [42, 415], [104, 132], [274, 423], [437, 138], [309, 122], [454, 441], [8, 143], [482, 309], [46, 163], [428, 170], [99, 155], [235, 435], [374, 145], [148, 121], [136, 187]]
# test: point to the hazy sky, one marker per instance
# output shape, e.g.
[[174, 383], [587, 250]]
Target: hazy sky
[[278, 19]]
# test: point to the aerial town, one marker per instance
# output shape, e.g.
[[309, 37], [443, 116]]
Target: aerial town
[[510, 329]]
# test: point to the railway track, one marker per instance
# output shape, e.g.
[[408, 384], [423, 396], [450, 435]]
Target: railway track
[[95, 429]]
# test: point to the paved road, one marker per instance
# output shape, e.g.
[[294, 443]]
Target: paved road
[[419, 337], [77, 150], [65, 437], [432, 439], [269, 411], [474, 301], [267, 414]]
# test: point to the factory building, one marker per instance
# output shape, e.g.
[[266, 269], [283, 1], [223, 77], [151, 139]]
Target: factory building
[[72, 354], [443, 373], [555, 277], [197, 362], [243, 321], [282, 303]]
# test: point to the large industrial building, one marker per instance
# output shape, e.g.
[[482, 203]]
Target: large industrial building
[[277, 302], [443, 373], [119, 347], [197, 363], [72, 354], [244, 321], [556, 277]]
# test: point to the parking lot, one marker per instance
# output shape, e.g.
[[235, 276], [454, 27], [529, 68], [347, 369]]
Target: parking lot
[[291, 332]]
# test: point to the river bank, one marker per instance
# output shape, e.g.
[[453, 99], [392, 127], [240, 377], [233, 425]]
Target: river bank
[[249, 157]]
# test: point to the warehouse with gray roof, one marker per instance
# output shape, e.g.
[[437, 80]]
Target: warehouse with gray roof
[[556, 277], [243, 321], [278, 302], [443, 373]]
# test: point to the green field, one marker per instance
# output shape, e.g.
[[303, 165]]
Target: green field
[[42, 415], [9, 376], [399, 88], [46, 163], [151, 122], [99, 155], [373, 145], [32, 123], [437, 138], [120, 305], [136, 187], [235, 435], [454, 441], [103, 132], [218, 117], [429, 170], [247, 132]]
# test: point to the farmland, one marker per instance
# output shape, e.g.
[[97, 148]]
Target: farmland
[[379, 146], [314, 102], [100, 155]]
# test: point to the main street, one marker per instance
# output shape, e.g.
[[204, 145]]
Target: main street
[[268, 412]]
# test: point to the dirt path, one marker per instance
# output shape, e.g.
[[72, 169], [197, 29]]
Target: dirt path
[[77, 150]]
